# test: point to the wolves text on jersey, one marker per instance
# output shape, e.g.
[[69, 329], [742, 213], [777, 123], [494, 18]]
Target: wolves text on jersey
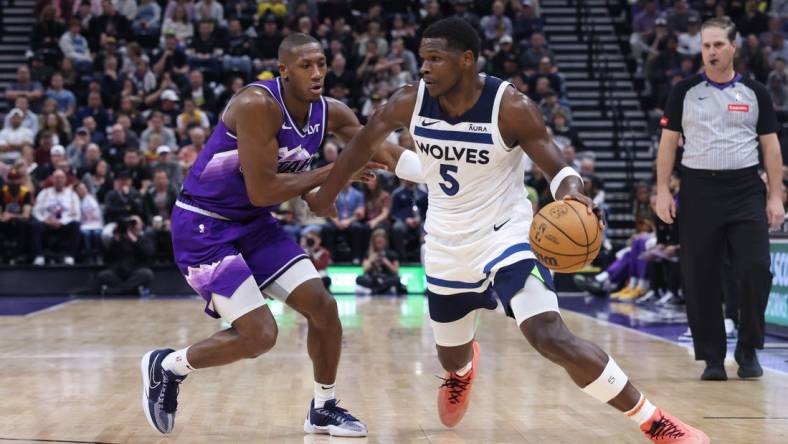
[[468, 155]]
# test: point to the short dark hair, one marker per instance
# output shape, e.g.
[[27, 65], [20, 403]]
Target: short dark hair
[[724, 23], [458, 34], [294, 40]]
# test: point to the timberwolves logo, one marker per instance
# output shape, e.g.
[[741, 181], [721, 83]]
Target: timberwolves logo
[[558, 212]]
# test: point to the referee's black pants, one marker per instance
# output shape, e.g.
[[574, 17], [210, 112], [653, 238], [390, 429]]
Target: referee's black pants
[[719, 211]]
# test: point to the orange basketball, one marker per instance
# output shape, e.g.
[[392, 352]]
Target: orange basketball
[[564, 237]]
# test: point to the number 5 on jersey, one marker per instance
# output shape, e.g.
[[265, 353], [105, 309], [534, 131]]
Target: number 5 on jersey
[[450, 186]]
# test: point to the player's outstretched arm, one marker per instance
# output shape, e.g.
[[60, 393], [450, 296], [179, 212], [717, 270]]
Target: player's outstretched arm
[[521, 123], [345, 125], [256, 119], [394, 114]]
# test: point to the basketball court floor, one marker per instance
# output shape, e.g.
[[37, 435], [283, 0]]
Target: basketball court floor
[[69, 373]]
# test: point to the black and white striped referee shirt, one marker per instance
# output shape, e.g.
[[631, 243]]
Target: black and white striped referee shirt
[[720, 122]]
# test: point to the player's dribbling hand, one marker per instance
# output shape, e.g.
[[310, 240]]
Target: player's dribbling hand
[[666, 207], [367, 174], [590, 206], [311, 199]]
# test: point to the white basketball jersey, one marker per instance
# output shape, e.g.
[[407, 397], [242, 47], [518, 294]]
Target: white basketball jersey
[[474, 180]]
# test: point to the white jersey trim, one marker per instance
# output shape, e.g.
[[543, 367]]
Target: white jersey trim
[[496, 112]]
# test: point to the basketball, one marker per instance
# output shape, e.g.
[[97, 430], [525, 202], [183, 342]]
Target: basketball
[[564, 237]]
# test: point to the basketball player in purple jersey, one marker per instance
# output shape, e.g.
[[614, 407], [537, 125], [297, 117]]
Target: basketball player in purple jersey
[[232, 251]]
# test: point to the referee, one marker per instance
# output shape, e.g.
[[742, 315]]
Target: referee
[[723, 117]]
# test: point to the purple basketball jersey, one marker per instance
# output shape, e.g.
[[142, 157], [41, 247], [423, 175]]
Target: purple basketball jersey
[[215, 182]]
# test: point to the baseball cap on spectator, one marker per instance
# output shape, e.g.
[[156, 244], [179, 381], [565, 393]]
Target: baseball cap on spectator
[[14, 175], [660, 21], [269, 18], [693, 20], [550, 92], [82, 130], [527, 3], [506, 39], [163, 149], [169, 95], [58, 149], [110, 39], [16, 111], [123, 174], [169, 32]]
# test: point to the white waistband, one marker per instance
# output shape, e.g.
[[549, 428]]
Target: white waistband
[[194, 209]]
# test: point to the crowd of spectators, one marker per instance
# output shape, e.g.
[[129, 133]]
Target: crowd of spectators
[[665, 45], [118, 98]]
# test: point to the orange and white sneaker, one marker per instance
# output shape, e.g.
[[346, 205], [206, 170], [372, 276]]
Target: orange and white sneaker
[[664, 428], [454, 394]]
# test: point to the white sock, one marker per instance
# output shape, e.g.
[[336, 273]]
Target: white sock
[[643, 283], [602, 277], [323, 393], [464, 371], [177, 363], [642, 410]]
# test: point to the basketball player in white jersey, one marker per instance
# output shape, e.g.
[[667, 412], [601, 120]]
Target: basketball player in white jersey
[[471, 132]]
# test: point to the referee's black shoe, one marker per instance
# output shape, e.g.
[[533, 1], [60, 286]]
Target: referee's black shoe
[[715, 371], [749, 367]]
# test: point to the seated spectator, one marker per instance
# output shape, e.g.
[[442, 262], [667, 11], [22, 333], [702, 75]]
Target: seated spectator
[[377, 205], [86, 160], [191, 116], [128, 254], [209, 10], [171, 58], [98, 181], [159, 199], [318, 254], [491, 22], [345, 234], [47, 156], [525, 21], [60, 164], [178, 24], [13, 137], [205, 49], [381, 268], [550, 105], [25, 87], [91, 225], [95, 109], [110, 22], [16, 204], [29, 120], [57, 214], [96, 136], [75, 47], [570, 157], [146, 22], [58, 126], [689, 42], [157, 205], [124, 200], [203, 96], [563, 133], [166, 161], [644, 214], [66, 100], [530, 59], [408, 209], [237, 50], [156, 126], [118, 145], [140, 172]]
